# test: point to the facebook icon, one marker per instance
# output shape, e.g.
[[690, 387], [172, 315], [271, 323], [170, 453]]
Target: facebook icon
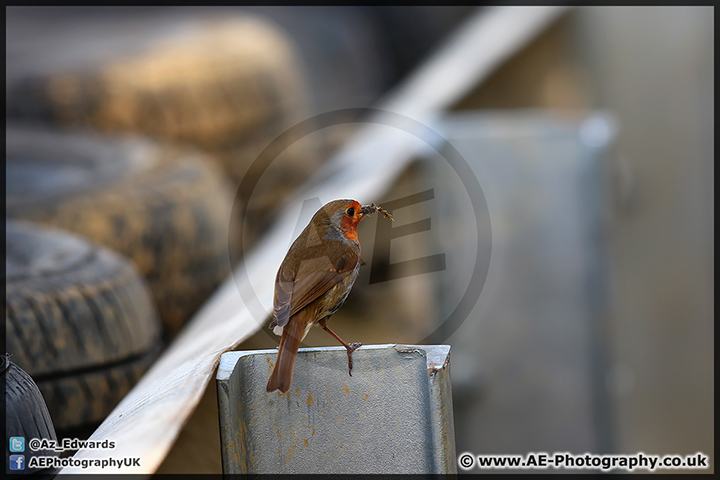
[[17, 462]]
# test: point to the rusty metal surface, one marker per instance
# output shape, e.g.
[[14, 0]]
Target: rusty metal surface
[[393, 415]]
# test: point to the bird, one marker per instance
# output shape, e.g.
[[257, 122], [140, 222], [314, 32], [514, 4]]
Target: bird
[[314, 280]]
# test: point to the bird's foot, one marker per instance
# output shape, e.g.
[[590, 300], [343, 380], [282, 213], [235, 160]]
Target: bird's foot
[[350, 349]]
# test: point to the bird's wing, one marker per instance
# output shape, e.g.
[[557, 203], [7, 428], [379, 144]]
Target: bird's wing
[[296, 289]]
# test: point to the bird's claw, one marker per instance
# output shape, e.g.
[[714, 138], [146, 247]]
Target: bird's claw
[[353, 346]]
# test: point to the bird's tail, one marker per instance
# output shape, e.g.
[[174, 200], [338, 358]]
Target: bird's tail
[[281, 376]]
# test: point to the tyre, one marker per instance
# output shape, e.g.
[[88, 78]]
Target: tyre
[[166, 209], [226, 86], [79, 319], [27, 417]]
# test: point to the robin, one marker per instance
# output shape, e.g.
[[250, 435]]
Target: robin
[[314, 280]]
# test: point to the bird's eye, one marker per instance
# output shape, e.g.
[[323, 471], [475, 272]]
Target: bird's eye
[[350, 211]]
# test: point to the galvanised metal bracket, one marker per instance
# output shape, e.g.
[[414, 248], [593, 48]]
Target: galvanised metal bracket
[[393, 415]]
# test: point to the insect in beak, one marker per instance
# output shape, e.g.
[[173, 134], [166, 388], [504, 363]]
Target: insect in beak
[[372, 208]]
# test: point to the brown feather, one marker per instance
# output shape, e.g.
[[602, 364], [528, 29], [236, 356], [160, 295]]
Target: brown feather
[[300, 282], [282, 373]]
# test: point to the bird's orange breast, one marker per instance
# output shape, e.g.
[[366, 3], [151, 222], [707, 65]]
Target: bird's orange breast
[[349, 225]]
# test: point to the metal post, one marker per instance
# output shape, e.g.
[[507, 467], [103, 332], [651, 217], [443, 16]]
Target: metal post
[[393, 415]]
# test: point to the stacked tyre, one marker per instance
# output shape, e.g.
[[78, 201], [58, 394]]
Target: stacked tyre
[[79, 319], [166, 209], [226, 87], [153, 214]]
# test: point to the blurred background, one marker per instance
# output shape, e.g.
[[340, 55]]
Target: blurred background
[[134, 131]]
